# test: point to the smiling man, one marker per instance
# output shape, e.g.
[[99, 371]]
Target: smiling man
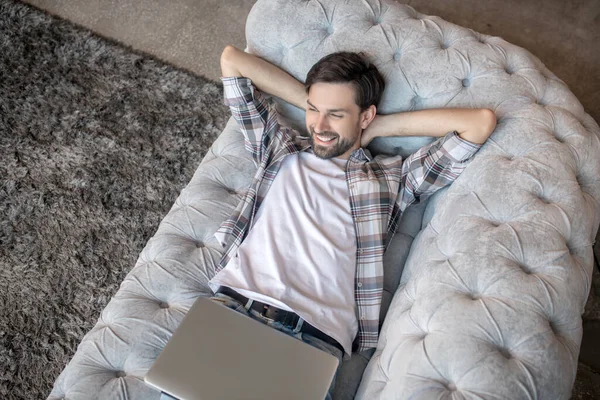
[[338, 107], [334, 132], [304, 248]]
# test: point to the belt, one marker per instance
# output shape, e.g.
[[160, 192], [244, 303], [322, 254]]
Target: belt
[[278, 315]]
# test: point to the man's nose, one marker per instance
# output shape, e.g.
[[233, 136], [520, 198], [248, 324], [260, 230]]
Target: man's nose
[[321, 124]]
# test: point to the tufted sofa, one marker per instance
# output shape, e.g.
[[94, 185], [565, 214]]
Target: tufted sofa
[[485, 283]]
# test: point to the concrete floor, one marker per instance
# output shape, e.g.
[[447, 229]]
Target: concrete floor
[[191, 34]]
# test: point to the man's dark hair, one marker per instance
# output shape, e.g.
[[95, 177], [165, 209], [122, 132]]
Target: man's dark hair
[[353, 68]]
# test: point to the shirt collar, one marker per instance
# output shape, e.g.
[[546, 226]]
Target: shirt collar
[[361, 154]]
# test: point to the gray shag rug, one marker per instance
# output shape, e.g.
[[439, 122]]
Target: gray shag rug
[[96, 142]]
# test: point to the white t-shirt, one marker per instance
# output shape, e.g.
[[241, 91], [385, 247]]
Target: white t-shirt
[[300, 254]]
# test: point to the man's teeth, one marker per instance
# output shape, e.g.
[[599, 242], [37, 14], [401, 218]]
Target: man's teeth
[[325, 139]]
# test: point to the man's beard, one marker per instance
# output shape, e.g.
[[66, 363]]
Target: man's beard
[[326, 152]]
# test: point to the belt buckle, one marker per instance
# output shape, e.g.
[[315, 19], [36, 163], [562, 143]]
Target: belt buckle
[[263, 313]]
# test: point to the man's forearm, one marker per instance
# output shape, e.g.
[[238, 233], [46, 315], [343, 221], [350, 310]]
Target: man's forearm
[[265, 76], [474, 125]]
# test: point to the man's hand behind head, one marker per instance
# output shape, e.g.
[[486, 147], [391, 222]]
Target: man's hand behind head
[[265, 76]]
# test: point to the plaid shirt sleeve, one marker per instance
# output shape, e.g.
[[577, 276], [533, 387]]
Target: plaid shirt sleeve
[[257, 120], [434, 166]]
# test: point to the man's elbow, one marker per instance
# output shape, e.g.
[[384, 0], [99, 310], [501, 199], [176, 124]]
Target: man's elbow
[[485, 126], [228, 61], [489, 118], [488, 124]]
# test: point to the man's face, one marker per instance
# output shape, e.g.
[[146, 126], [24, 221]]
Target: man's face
[[333, 120]]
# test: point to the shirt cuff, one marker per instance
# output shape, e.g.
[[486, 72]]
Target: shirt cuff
[[237, 90], [458, 148]]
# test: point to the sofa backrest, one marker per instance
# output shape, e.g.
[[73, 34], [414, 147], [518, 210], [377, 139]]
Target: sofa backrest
[[424, 64]]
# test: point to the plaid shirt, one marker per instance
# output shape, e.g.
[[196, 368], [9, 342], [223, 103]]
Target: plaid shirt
[[380, 189]]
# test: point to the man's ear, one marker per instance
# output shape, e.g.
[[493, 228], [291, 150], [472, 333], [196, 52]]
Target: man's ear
[[367, 116]]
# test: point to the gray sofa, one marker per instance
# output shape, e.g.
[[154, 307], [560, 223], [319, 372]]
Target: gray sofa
[[485, 283]]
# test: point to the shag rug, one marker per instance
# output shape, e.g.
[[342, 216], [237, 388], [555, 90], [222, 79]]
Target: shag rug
[[96, 142]]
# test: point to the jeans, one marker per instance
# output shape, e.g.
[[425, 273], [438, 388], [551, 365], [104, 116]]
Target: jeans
[[293, 331]]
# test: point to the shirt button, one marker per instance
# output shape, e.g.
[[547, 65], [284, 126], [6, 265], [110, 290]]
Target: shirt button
[[363, 317], [357, 219], [360, 251], [359, 284]]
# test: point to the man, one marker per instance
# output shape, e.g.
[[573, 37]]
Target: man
[[304, 249]]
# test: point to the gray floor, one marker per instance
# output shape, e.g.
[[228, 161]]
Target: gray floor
[[191, 34]]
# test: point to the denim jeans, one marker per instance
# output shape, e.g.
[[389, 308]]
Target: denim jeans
[[293, 331]]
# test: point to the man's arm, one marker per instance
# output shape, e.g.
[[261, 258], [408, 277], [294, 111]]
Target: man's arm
[[265, 76], [473, 125], [433, 167], [438, 164]]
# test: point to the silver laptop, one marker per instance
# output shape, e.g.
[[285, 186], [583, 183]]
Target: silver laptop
[[218, 353]]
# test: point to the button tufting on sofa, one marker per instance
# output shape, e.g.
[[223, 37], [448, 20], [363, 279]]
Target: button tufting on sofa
[[451, 387], [417, 102], [163, 304], [474, 296], [542, 198], [557, 136], [580, 181], [505, 352], [493, 223], [480, 38], [526, 269]]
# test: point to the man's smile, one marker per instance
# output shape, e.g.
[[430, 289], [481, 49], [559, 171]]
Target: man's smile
[[325, 140]]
